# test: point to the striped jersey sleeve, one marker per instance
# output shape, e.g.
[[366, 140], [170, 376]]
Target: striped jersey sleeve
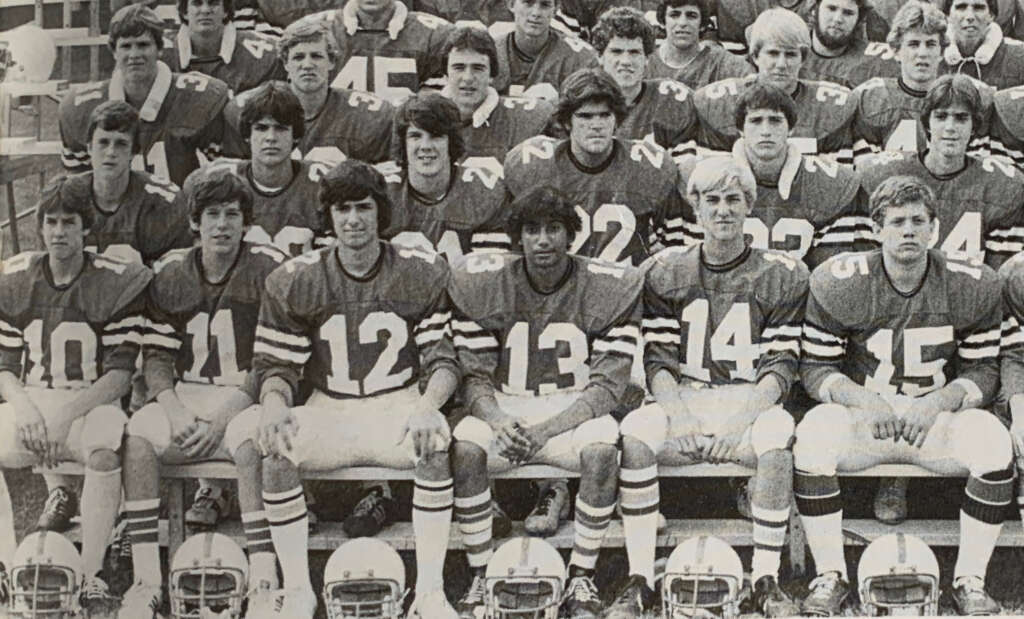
[[822, 346], [282, 346], [12, 348], [122, 336]]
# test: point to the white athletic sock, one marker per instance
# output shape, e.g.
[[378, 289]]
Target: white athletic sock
[[769, 539], [289, 528], [431, 524], [639, 498], [143, 517]]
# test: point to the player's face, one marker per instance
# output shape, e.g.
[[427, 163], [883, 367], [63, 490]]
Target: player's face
[[469, 73], [271, 142], [545, 243], [682, 24], [136, 57], [592, 129], [721, 212], [308, 66], [63, 234], [221, 227], [532, 17], [205, 16], [110, 151], [779, 65], [355, 222], [950, 130], [625, 61], [765, 133], [426, 153], [375, 7], [837, 20], [905, 232], [969, 19], [919, 56]]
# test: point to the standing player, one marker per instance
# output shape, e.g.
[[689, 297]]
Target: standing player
[[978, 48], [901, 346], [363, 322], [718, 389], [682, 55], [71, 325], [734, 19], [180, 112], [203, 306], [209, 43], [779, 44], [839, 51], [546, 340]]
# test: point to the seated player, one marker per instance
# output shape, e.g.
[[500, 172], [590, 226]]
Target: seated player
[[362, 322], [208, 42], [203, 306], [339, 123], [779, 44], [180, 112], [657, 110], [491, 124], [716, 402], [977, 46], [683, 56], [1011, 368], [71, 325], [900, 345], [546, 340], [840, 53]]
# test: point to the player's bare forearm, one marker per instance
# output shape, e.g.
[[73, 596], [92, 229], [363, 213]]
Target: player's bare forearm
[[486, 409], [842, 390], [664, 388], [577, 413], [765, 395], [237, 402], [107, 389], [1011, 371], [949, 398], [440, 387], [276, 387], [172, 404]]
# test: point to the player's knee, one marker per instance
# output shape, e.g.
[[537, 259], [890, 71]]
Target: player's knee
[[103, 460], [648, 425], [243, 428], [600, 462], [818, 437], [772, 430], [600, 431], [150, 423], [981, 442], [103, 428], [475, 431]]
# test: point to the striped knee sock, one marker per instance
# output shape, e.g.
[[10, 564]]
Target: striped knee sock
[[143, 517], [474, 516], [769, 538], [639, 498], [821, 511], [590, 525], [260, 546], [289, 528], [431, 523], [982, 512]]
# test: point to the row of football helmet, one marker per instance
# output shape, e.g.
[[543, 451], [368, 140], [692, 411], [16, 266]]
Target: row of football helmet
[[898, 575]]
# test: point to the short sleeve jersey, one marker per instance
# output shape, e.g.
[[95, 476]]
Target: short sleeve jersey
[[510, 121], [860, 62], [663, 113], [245, 60]]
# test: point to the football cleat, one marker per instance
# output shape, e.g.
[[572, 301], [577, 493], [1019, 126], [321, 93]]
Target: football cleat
[[891, 500], [971, 599], [94, 598], [61, 506], [633, 600], [473, 601], [209, 504], [703, 576], [44, 577], [525, 578], [364, 577], [582, 599], [899, 574], [551, 510], [142, 601], [771, 601], [826, 595], [209, 574], [372, 513]]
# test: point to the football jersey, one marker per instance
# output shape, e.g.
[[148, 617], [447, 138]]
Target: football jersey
[[199, 331], [724, 324], [1011, 353], [352, 337], [733, 18], [824, 117], [1006, 135], [512, 338], [246, 59], [469, 217], [67, 337], [542, 78], [1004, 70], [978, 208], [281, 13], [711, 64], [859, 63], [663, 113], [181, 115], [502, 122], [623, 204], [859, 325]]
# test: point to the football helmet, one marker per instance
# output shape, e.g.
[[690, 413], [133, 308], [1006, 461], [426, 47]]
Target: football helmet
[[45, 573], [27, 54], [525, 578], [703, 577], [364, 577], [208, 578], [899, 574]]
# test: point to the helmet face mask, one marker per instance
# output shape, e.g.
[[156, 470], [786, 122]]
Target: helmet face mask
[[703, 577], [44, 578], [523, 597], [208, 577], [363, 597], [908, 594]]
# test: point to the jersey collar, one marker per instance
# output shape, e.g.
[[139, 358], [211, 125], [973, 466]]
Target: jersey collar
[[482, 114], [988, 48], [227, 45], [157, 94], [350, 18], [789, 169]]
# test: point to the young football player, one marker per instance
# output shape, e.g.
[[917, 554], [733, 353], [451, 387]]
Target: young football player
[[682, 55], [716, 403], [203, 306], [978, 47], [363, 322], [1011, 361], [208, 42], [840, 53], [732, 21], [546, 340], [900, 345], [180, 112], [71, 326]]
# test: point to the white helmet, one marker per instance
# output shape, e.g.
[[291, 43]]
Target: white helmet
[[45, 573], [703, 577], [209, 575], [364, 577], [525, 579], [27, 54], [899, 573]]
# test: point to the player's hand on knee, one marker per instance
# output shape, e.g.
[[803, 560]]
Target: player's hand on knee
[[918, 421], [512, 445], [723, 447], [56, 436], [32, 430], [537, 438], [883, 422], [277, 429], [690, 446], [427, 426], [183, 426], [205, 440]]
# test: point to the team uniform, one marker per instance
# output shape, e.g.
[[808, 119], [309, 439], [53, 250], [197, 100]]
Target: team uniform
[[182, 114], [469, 217], [499, 123], [1011, 353], [978, 208], [245, 60], [635, 191], [1006, 135], [542, 78], [824, 117], [280, 13], [860, 62], [999, 62], [733, 19], [711, 64], [662, 113]]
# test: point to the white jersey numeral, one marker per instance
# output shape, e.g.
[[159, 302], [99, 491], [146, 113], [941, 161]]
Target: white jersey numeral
[[335, 333], [914, 340], [575, 363], [964, 240], [787, 227], [222, 331], [66, 334], [731, 341], [292, 240], [605, 215], [355, 75]]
